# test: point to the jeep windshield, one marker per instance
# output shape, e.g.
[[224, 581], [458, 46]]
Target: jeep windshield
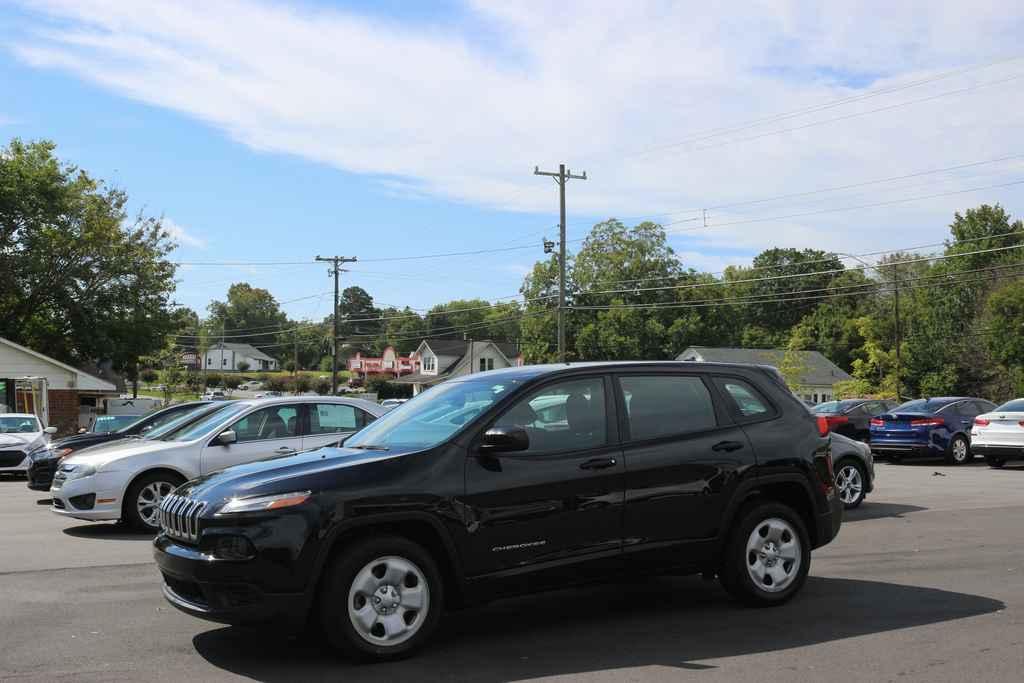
[[433, 416]]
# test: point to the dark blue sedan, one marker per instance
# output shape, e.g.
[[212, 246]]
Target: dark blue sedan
[[928, 427]]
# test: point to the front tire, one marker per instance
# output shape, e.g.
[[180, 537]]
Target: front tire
[[382, 599], [959, 451], [142, 501], [768, 555], [851, 482]]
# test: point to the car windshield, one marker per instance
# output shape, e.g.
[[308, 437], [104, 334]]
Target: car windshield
[[105, 424], [433, 416], [1014, 406], [180, 420], [19, 425], [203, 426], [829, 407], [920, 405]]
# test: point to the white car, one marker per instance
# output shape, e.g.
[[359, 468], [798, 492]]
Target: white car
[[20, 434], [391, 403], [999, 435], [127, 480]]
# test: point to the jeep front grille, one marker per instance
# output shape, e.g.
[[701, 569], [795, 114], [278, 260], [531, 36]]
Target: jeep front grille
[[179, 517]]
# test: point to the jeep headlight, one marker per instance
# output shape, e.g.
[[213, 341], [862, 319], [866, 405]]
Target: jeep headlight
[[264, 503]]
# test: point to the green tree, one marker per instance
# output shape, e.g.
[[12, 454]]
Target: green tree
[[247, 310], [81, 280], [1004, 315]]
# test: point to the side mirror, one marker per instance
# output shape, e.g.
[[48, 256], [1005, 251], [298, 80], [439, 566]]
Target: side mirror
[[505, 439], [227, 437], [50, 430]]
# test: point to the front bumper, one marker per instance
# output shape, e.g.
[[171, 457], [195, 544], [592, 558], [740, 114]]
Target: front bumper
[[93, 498], [1003, 451], [40, 473], [11, 463], [222, 590]]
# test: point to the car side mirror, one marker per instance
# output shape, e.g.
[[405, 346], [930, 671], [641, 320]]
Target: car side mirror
[[50, 430], [505, 439], [227, 437]]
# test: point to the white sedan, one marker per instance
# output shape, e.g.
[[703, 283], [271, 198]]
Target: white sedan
[[127, 480], [20, 434], [999, 435]]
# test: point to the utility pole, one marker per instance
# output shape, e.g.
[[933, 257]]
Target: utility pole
[[896, 306], [563, 176], [335, 271]]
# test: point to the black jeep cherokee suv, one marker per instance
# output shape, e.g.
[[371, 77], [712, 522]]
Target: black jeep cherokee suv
[[510, 481]]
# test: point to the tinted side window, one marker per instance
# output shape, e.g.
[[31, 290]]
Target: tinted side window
[[747, 400], [275, 422], [984, 407], [860, 411], [567, 415], [664, 405]]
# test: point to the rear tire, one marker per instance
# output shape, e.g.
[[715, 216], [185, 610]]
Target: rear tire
[[768, 555], [382, 599], [994, 462], [852, 483], [959, 451], [143, 498]]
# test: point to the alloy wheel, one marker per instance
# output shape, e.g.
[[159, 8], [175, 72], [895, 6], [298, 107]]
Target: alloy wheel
[[850, 484], [388, 601], [959, 450], [148, 502], [773, 555]]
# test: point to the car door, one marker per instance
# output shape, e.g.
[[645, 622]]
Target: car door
[[558, 502], [261, 433], [332, 422], [681, 452]]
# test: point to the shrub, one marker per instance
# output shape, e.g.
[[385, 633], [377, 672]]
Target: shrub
[[323, 387], [243, 366], [232, 381], [385, 388], [149, 375], [214, 379], [302, 384], [326, 364], [290, 366], [275, 384]]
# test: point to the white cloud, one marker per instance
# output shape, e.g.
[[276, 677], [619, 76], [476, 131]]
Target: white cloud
[[437, 110], [182, 236]]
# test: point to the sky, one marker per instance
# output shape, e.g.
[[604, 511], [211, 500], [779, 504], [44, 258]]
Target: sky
[[274, 132]]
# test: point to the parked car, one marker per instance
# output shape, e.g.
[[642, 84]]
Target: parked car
[[465, 493], [20, 434], [998, 435], [105, 424], [215, 395], [852, 416], [855, 469], [46, 457], [128, 480], [928, 427], [268, 394]]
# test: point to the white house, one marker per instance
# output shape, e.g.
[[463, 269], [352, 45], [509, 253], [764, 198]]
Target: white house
[[441, 359], [223, 357], [815, 375], [60, 395]]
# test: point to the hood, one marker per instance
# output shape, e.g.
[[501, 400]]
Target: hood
[[22, 439], [282, 474], [107, 455]]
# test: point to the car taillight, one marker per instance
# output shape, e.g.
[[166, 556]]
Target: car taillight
[[834, 420], [981, 422], [877, 422], [928, 422], [823, 428]]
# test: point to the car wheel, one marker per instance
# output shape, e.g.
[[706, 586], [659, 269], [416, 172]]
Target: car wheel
[[851, 481], [142, 502], [382, 599], [768, 555], [995, 462], [959, 451]]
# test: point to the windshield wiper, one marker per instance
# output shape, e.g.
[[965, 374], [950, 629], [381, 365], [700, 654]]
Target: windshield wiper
[[371, 447]]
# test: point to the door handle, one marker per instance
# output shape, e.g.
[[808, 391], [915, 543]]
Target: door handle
[[727, 446], [284, 449], [597, 464]]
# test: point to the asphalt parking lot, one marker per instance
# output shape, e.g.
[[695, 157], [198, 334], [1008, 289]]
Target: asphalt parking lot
[[926, 582]]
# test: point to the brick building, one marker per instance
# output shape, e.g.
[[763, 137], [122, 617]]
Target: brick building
[[71, 394]]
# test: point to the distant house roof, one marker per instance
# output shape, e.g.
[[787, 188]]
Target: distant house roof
[[245, 349], [815, 369], [456, 352]]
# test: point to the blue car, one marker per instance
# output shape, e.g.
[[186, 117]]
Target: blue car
[[928, 427]]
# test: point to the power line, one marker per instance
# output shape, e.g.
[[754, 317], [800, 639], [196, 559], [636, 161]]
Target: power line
[[812, 124], [753, 123]]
